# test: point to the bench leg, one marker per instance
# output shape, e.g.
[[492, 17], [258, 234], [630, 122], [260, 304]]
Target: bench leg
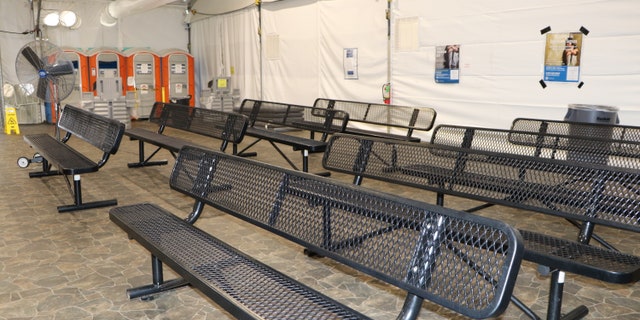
[[158, 285], [79, 205], [555, 300], [46, 171], [243, 153], [142, 161], [411, 308]]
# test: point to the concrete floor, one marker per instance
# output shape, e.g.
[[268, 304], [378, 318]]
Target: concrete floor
[[78, 265]]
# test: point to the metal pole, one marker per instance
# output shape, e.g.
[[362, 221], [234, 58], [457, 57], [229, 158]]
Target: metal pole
[[2, 95]]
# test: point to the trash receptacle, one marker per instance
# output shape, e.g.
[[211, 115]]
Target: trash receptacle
[[602, 117]]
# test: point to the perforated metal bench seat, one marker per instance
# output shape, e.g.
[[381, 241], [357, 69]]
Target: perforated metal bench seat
[[219, 270], [582, 259], [165, 142], [297, 143], [62, 156]]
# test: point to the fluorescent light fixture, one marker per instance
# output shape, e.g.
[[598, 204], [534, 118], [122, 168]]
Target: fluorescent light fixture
[[52, 19]]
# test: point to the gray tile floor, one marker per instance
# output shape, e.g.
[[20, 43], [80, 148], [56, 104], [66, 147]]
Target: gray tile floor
[[78, 265]]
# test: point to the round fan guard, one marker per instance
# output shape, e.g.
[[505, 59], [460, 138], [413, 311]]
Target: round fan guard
[[43, 65]]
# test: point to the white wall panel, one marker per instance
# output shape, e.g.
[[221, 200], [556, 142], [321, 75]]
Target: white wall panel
[[357, 24], [502, 55], [228, 45], [293, 77]]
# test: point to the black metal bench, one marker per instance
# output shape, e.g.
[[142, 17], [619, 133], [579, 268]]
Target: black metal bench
[[382, 120], [225, 126], [553, 144], [596, 194], [600, 147], [463, 262], [101, 132], [269, 121], [611, 144]]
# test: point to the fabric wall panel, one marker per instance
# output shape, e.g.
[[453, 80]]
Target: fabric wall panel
[[357, 24], [290, 51], [502, 56]]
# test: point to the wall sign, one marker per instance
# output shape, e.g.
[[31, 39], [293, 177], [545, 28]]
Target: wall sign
[[448, 64]]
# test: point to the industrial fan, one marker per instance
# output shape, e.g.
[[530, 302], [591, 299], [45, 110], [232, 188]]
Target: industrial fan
[[42, 65]]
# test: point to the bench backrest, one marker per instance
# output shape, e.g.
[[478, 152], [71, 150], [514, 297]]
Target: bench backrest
[[102, 132], [551, 145], [404, 117], [294, 116], [156, 112], [466, 263], [600, 194], [226, 126], [607, 139]]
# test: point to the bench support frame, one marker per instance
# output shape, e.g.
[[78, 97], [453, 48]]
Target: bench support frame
[[77, 191], [158, 285]]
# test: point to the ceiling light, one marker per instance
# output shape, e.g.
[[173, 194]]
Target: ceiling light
[[68, 18], [52, 19]]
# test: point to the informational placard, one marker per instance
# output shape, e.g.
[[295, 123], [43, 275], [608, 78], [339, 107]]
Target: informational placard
[[350, 63], [562, 55], [448, 64]]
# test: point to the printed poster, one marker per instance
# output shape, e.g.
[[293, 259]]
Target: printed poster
[[350, 63], [562, 55], [448, 64]]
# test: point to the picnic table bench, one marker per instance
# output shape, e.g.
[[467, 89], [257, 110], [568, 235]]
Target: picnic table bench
[[463, 262], [101, 132], [224, 126], [382, 120], [270, 121], [602, 195]]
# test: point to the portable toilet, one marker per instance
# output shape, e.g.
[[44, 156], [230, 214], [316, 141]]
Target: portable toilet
[[80, 63], [106, 63], [178, 81], [143, 81]]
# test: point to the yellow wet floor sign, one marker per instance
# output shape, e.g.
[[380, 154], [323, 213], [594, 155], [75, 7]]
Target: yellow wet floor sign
[[11, 121]]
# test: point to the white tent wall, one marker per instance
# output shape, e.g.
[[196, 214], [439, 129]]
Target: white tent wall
[[228, 45], [15, 16], [302, 50], [290, 51], [502, 53], [359, 24]]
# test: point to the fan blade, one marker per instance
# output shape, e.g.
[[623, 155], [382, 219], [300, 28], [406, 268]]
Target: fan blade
[[43, 83], [33, 58], [60, 69]]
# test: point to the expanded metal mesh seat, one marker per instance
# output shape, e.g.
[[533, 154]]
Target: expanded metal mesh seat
[[465, 263]]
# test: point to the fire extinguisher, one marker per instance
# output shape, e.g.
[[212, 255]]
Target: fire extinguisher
[[386, 93]]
